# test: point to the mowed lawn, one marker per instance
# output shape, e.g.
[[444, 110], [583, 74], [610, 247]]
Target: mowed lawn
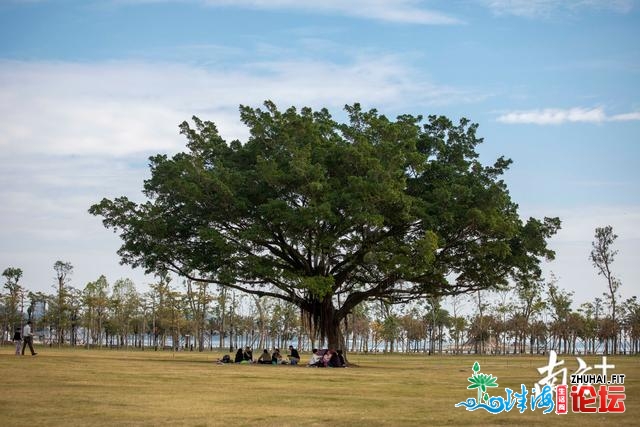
[[64, 387]]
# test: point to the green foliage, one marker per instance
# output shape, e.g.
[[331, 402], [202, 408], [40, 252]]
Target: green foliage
[[12, 275], [12, 299], [309, 209], [317, 286]]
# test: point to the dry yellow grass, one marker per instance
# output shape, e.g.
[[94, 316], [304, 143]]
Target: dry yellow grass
[[115, 387]]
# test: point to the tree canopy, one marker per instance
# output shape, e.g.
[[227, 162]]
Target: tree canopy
[[326, 215]]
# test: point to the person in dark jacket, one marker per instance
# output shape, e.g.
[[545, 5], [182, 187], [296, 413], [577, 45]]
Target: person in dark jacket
[[17, 340], [247, 354], [294, 356], [331, 359], [239, 356]]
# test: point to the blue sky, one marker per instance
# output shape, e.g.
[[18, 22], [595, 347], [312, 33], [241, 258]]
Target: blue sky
[[89, 89]]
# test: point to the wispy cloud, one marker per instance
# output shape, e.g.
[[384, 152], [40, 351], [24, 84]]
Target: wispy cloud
[[397, 11], [555, 116], [545, 8], [123, 108], [625, 117], [73, 133]]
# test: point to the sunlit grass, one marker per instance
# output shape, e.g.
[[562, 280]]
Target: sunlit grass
[[115, 387]]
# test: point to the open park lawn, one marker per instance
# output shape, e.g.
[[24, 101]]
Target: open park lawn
[[77, 387]]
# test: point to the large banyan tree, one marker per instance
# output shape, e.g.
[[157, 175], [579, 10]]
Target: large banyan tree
[[326, 215]]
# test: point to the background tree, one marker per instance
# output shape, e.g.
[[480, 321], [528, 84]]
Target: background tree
[[198, 298], [96, 302], [124, 303], [480, 333], [530, 303], [389, 326], [560, 302], [284, 322], [458, 322], [220, 313], [360, 327], [457, 331], [479, 326], [632, 323], [262, 308], [13, 299], [60, 309], [415, 327], [75, 312], [437, 318], [602, 256], [590, 326], [503, 327], [166, 311], [326, 215]]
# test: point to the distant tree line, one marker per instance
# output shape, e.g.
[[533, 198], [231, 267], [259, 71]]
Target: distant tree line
[[528, 318]]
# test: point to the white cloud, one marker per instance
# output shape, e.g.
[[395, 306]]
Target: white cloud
[[123, 108], [626, 117], [398, 11], [74, 133], [556, 116], [545, 8], [44, 215]]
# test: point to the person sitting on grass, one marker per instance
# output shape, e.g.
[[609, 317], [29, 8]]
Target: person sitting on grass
[[276, 358], [326, 358], [265, 358], [294, 356], [316, 359], [239, 356], [331, 359], [247, 355]]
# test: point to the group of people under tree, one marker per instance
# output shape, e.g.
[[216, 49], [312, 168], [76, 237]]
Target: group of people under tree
[[329, 358]]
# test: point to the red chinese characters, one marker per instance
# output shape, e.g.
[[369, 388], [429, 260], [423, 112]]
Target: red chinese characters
[[608, 399]]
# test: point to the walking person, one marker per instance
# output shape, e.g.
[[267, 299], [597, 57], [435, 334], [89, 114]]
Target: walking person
[[28, 338], [17, 340]]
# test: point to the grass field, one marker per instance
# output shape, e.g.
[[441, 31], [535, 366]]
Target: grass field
[[115, 387]]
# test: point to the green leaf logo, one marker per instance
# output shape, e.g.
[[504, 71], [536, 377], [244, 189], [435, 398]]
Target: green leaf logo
[[481, 382]]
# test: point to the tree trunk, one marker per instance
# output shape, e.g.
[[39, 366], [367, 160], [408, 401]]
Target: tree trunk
[[325, 318]]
